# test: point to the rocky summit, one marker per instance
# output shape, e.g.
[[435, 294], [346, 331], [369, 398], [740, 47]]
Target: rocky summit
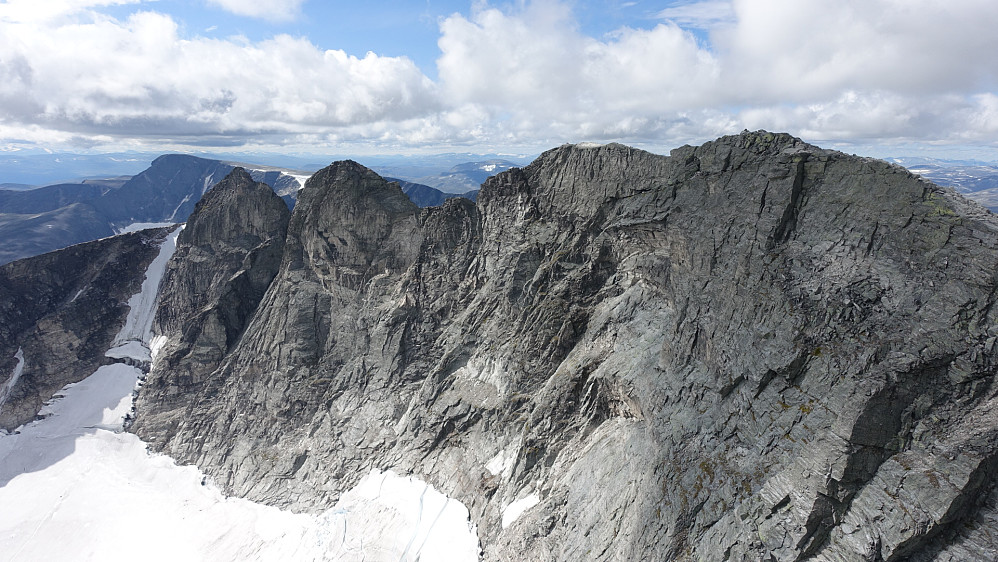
[[755, 349]]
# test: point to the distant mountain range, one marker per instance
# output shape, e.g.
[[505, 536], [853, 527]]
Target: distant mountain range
[[976, 180], [48, 218], [22, 169], [465, 177]]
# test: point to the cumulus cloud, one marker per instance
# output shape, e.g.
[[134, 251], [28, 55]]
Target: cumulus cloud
[[279, 10], [526, 75], [98, 75], [803, 49], [537, 68], [700, 15], [885, 69]]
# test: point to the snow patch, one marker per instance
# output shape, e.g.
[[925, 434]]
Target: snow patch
[[300, 179], [137, 331], [156, 345], [130, 350], [500, 463], [8, 387], [513, 511], [173, 215], [137, 226], [489, 167], [392, 517]]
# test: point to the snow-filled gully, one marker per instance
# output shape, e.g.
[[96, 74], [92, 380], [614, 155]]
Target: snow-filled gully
[[75, 486], [9, 385]]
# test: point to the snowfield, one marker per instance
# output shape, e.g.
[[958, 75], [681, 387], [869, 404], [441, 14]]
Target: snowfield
[[74, 486]]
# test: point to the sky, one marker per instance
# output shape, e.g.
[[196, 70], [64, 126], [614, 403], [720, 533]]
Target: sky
[[876, 77]]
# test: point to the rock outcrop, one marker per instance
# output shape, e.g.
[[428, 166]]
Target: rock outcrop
[[754, 349], [59, 313]]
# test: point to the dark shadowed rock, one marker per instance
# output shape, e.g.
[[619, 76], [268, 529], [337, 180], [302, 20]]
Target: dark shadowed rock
[[755, 349]]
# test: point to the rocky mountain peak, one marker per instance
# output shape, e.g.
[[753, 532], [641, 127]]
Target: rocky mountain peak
[[238, 211], [752, 349], [350, 225]]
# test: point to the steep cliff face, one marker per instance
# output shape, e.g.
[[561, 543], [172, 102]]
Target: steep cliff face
[[59, 313], [226, 257], [754, 348]]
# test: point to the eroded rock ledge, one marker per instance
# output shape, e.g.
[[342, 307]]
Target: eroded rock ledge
[[753, 349]]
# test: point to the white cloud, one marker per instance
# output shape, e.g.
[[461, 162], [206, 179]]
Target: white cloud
[[887, 69], [701, 15], [880, 70], [803, 49], [537, 68], [278, 10], [97, 75]]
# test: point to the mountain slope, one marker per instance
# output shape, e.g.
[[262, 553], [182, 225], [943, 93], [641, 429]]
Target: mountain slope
[[750, 349], [60, 311], [426, 196], [227, 255]]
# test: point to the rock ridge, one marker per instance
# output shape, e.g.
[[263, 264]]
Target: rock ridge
[[751, 349]]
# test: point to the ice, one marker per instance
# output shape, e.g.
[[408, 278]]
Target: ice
[[513, 511], [390, 517], [16, 374], [76, 488]]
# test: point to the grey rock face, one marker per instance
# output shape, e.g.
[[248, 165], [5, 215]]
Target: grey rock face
[[62, 311], [754, 349], [226, 257]]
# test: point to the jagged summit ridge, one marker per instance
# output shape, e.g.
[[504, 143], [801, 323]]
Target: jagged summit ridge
[[753, 348]]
